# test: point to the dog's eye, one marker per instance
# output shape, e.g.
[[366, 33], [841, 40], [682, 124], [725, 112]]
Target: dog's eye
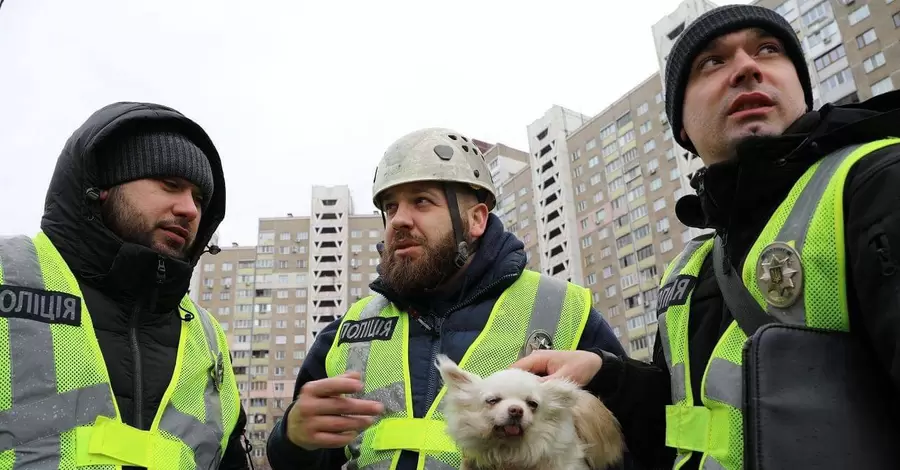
[[532, 404], [492, 401]]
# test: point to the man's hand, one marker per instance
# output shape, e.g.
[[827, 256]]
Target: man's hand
[[323, 418], [577, 366]]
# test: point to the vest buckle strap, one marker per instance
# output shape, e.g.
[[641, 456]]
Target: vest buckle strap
[[110, 442], [689, 427], [415, 434]]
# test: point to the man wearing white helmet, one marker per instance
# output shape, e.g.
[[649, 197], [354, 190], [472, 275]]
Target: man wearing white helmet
[[452, 281]]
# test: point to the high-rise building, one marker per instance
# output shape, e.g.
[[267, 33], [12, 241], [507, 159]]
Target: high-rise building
[[553, 198], [625, 182], [850, 46], [515, 197], [273, 298]]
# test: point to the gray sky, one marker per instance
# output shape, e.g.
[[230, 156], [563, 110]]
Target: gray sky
[[296, 93]]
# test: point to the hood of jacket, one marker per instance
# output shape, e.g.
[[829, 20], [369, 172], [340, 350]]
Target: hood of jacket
[[745, 190], [124, 271], [497, 263]]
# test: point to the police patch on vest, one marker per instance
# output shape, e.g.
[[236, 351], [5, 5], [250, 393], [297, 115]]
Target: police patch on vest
[[675, 292], [370, 329], [40, 305]]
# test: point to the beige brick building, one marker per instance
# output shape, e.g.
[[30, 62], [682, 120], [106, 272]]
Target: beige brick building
[[272, 299]]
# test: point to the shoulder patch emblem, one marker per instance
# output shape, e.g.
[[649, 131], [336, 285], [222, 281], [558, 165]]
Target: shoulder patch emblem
[[779, 273]]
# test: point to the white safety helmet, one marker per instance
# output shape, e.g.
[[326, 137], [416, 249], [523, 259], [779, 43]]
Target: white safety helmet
[[443, 156], [434, 154]]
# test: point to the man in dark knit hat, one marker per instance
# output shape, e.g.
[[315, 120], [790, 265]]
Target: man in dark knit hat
[[802, 208], [108, 360]]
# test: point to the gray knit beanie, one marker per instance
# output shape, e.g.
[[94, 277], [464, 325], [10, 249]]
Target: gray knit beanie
[[711, 25], [153, 154]]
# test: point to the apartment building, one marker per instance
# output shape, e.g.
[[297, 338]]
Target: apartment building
[[552, 196], [625, 181], [515, 199], [851, 46], [272, 299]]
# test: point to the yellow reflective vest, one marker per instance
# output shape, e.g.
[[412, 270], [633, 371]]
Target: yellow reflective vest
[[57, 408], [373, 339], [795, 270]]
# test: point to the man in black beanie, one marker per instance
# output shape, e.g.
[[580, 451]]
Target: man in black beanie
[[803, 208], [109, 361]]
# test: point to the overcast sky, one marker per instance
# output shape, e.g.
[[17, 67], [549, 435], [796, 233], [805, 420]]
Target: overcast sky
[[296, 93]]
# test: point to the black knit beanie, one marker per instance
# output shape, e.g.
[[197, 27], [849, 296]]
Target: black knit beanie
[[149, 153], [711, 25]]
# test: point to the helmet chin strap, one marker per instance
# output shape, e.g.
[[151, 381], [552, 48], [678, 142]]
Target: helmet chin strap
[[462, 247]]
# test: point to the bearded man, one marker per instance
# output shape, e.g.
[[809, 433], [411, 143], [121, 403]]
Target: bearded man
[[452, 281]]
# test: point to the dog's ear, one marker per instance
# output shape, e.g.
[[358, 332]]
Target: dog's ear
[[452, 374], [560, 394]]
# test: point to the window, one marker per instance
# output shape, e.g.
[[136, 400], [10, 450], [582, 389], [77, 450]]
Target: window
[[830, 57], [873, 62], [642, 109], [649, 146], [882, 86], [837, 80], [665, 246], [586, 241], [816, 13], [610, 291], [866, 38], [659, 204], [662, 225], [858, 15]]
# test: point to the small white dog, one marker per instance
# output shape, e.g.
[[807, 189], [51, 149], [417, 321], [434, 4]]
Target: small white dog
[[511, 420]]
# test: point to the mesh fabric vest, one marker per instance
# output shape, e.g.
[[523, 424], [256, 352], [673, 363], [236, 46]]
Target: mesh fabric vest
[[808, 223], [534, 302], [57, 409]]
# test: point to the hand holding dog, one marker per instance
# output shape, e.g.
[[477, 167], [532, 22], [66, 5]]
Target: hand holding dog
[[577, 366]]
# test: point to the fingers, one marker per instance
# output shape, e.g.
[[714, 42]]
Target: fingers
[[339, 385], [536, 363], [331, 440], [342, 424], [347, 406]]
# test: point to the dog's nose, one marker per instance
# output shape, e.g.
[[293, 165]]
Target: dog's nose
[[515, 411]]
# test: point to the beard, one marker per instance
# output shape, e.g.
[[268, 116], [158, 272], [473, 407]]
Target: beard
[[125, 220], [408, 276]]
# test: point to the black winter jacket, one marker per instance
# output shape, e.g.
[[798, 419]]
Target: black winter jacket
[[737, 198], [458, 319], [137, 319]]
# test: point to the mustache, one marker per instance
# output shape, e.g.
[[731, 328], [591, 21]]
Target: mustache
[[178, 222], [404, 236]]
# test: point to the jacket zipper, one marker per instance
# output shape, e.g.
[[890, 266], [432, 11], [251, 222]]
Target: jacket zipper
[[435, 347], [883, 248], [136, 346]]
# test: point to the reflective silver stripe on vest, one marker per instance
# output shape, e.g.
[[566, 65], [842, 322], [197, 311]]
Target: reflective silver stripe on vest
[[712, 464], [676, 371], [724, 382], [797, 225], [203, 438], [38, 414], [548, 305], [392, 396]]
